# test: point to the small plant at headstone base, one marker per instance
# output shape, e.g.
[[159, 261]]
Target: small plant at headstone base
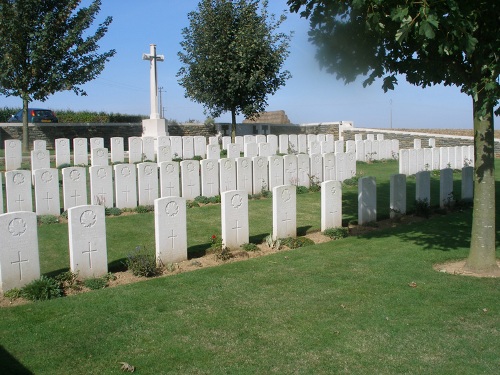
[[144, 209], [395, 215], [171, 267], [449, 201], [143, 263], [214, 199], [273, 244], [112, 211], [302, 190], [422, 208], [426, 167], [353, 181], [314, 183], [64, 214], [13, 294], [202, 199], [467, 162], [197, 157], [250, 247], [394, 155], [217, 248], [95, 283], [264, 193], [192, 204], [47, 219], [296, 242], [371, 224], [223, 153], [100, 200], [336, 233], [68, 280], [41, 289]]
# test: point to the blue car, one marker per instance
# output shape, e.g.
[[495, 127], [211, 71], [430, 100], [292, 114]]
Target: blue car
[[35, 115]]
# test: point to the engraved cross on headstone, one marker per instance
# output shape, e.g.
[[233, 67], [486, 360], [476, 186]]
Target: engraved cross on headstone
[[89, 252], [19, 263], [153, 79]]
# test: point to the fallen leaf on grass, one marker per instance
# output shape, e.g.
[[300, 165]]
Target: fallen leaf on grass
[[126, 367], [413, 284]]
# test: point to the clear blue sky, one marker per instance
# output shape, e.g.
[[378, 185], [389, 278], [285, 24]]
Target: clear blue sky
[[311, 95]]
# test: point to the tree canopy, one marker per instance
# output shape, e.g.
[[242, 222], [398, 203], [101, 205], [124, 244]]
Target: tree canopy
[[453, 42], [46, 47], [233, 57]]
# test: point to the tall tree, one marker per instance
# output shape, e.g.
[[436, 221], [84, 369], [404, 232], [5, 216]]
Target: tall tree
[[232, 57], [46, 47], [453, 42]]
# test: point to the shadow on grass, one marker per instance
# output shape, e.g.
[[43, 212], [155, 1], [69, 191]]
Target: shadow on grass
[[302, 231], [10, 365], [440, 232]]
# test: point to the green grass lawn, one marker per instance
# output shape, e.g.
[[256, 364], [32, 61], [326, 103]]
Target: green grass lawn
[[343, 307]]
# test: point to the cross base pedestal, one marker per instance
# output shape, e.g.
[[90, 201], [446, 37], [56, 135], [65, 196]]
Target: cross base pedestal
[[154, 127]]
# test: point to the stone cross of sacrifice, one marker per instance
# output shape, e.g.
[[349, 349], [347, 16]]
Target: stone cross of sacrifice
[[153, 79]]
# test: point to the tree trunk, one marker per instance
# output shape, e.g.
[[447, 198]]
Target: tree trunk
[[233, 125], [25, 126], [482, 247]]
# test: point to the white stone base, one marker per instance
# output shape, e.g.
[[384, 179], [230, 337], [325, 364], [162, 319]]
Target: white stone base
[[154, 127]]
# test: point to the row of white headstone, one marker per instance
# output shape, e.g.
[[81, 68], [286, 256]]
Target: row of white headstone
[[129, 185], [19, 256], [367, 192], [416, 160]]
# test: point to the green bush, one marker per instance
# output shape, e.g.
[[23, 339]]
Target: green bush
[[250, 247], [296, 242], [302, 190], [47, 219], [191, 204], [144, 209], [113, 211], [143, 263], [41, 289], [336, 233], [201, 199], [215, 199], [422, 208], [13, 294]]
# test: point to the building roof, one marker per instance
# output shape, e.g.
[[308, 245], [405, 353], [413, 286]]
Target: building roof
[[271, 117]]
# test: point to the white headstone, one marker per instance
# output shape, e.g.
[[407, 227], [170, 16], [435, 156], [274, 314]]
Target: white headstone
[[367, 200], [225, 141], [96, 142], [293, 143], [40, 159], [351, 165], [101, 185], [327, 147], [316, 168], [148, 148], [397, 195], [125, 186], [81, 151], [417, 143], [412, 161], [329, 167], [275, 171], [39, 144], [331, 204], [147, 187], [260, 138], [380, 137], [227, 174], [302, 143], [88, 253], [283, 143], [451, 158], [404, 162], [314, 148], [1, 195], [272, 139], [423, 187], [47, 192], [135, 150], [209, 177], [369, 156], [176, 145], [370, 137], [213, 140], [187, 147], [213, 151], [435, 158], [164, 153], [200, 146], [99, 157], [420, 160], [244, 174], [443, 158], [303, 170], [13, 154], [467, 184], [248, 139], [18, 191], [446, 187], [163, 140], [240, 140], [427, 159], [251, 150], [339, 146], [19, 259], [74, 187], [234, 218], [265, 149], [341, 167], [190, 179], [290, 170], [170, 230], [358, 137], [233, 150], [432, 142], [169, 179], [284, 211], [260, 174], [63, 156], [360, 151]]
